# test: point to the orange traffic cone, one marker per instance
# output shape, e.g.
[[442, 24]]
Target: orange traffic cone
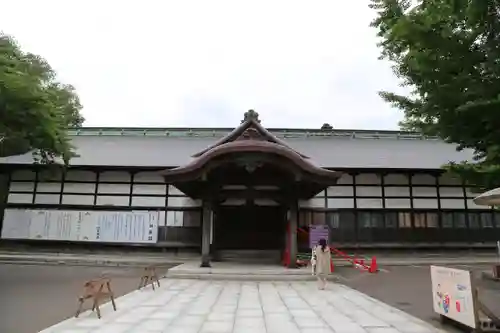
[[373, 265]]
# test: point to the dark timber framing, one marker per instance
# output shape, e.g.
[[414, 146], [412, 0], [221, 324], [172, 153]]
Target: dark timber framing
[[391, 234], [175, 236]]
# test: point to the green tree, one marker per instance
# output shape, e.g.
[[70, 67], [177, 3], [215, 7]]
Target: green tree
[[448, 53], [35, 109]]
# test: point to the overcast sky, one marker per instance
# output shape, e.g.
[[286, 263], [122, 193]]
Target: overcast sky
[[204, 63]]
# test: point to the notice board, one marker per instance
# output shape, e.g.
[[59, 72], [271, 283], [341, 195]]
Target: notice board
[[76, 225], [453, 295], [316, 232]]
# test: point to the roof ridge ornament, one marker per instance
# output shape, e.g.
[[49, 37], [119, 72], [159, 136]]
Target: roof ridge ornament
[[326, 127], [251, 115]]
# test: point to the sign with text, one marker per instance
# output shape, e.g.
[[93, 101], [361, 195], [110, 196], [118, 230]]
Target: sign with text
[[453, 294], [76, 225], [316, 232]]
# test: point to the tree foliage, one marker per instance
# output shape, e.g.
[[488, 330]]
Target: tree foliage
[[448, 53], [35, 109]]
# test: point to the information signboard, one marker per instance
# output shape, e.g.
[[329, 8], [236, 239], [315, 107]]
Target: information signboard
[[74, 225], [453, 295], [317, 232]]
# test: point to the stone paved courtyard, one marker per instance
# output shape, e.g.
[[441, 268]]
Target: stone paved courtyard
[[190, 306]]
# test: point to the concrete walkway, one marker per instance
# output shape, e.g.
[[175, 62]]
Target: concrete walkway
[[191, 306]]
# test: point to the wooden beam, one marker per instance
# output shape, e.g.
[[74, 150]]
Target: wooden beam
[[249, 194]]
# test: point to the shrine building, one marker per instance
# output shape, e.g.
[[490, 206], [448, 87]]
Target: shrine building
[[220, 189]]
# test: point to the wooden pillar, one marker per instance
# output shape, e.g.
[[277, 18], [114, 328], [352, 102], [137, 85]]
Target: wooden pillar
[[205, 234], [294, 212], [4, 195]]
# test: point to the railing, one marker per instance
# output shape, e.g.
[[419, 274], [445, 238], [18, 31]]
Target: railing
[[360, 263], [357, 262]]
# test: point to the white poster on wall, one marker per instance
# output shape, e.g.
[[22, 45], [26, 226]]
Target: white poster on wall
[[16, 224], [86, 231], [123, 227], [452, 294], [53, 225], [91, 226]]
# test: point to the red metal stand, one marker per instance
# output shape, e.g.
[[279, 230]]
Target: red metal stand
[[358, 263]]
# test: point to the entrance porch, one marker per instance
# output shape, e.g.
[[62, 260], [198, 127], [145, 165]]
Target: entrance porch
[[246, 210], [246, 272], [250, 183]]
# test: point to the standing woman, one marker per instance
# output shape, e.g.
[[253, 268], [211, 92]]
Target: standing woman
[[323, 257]]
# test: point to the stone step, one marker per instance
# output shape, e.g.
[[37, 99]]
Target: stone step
[[237, 277], [269, 256], [239, 271], [248, 252]]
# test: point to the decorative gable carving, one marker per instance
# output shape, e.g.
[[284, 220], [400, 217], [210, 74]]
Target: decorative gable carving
[[251, 134], [250, 129]]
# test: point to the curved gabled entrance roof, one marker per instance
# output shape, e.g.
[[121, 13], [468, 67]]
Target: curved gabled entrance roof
[[252, 146], [251, 139]]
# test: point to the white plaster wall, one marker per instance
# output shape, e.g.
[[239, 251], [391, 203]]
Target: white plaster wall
[[395, 191], [108, 194], [396, 179], [182, 219], [398, 203], [422, 179], [312, 203], [340, 196], [367, 179], [345, 179], [183, 202], [340, 191], [369, 203], [340, 203], [366, 191]]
